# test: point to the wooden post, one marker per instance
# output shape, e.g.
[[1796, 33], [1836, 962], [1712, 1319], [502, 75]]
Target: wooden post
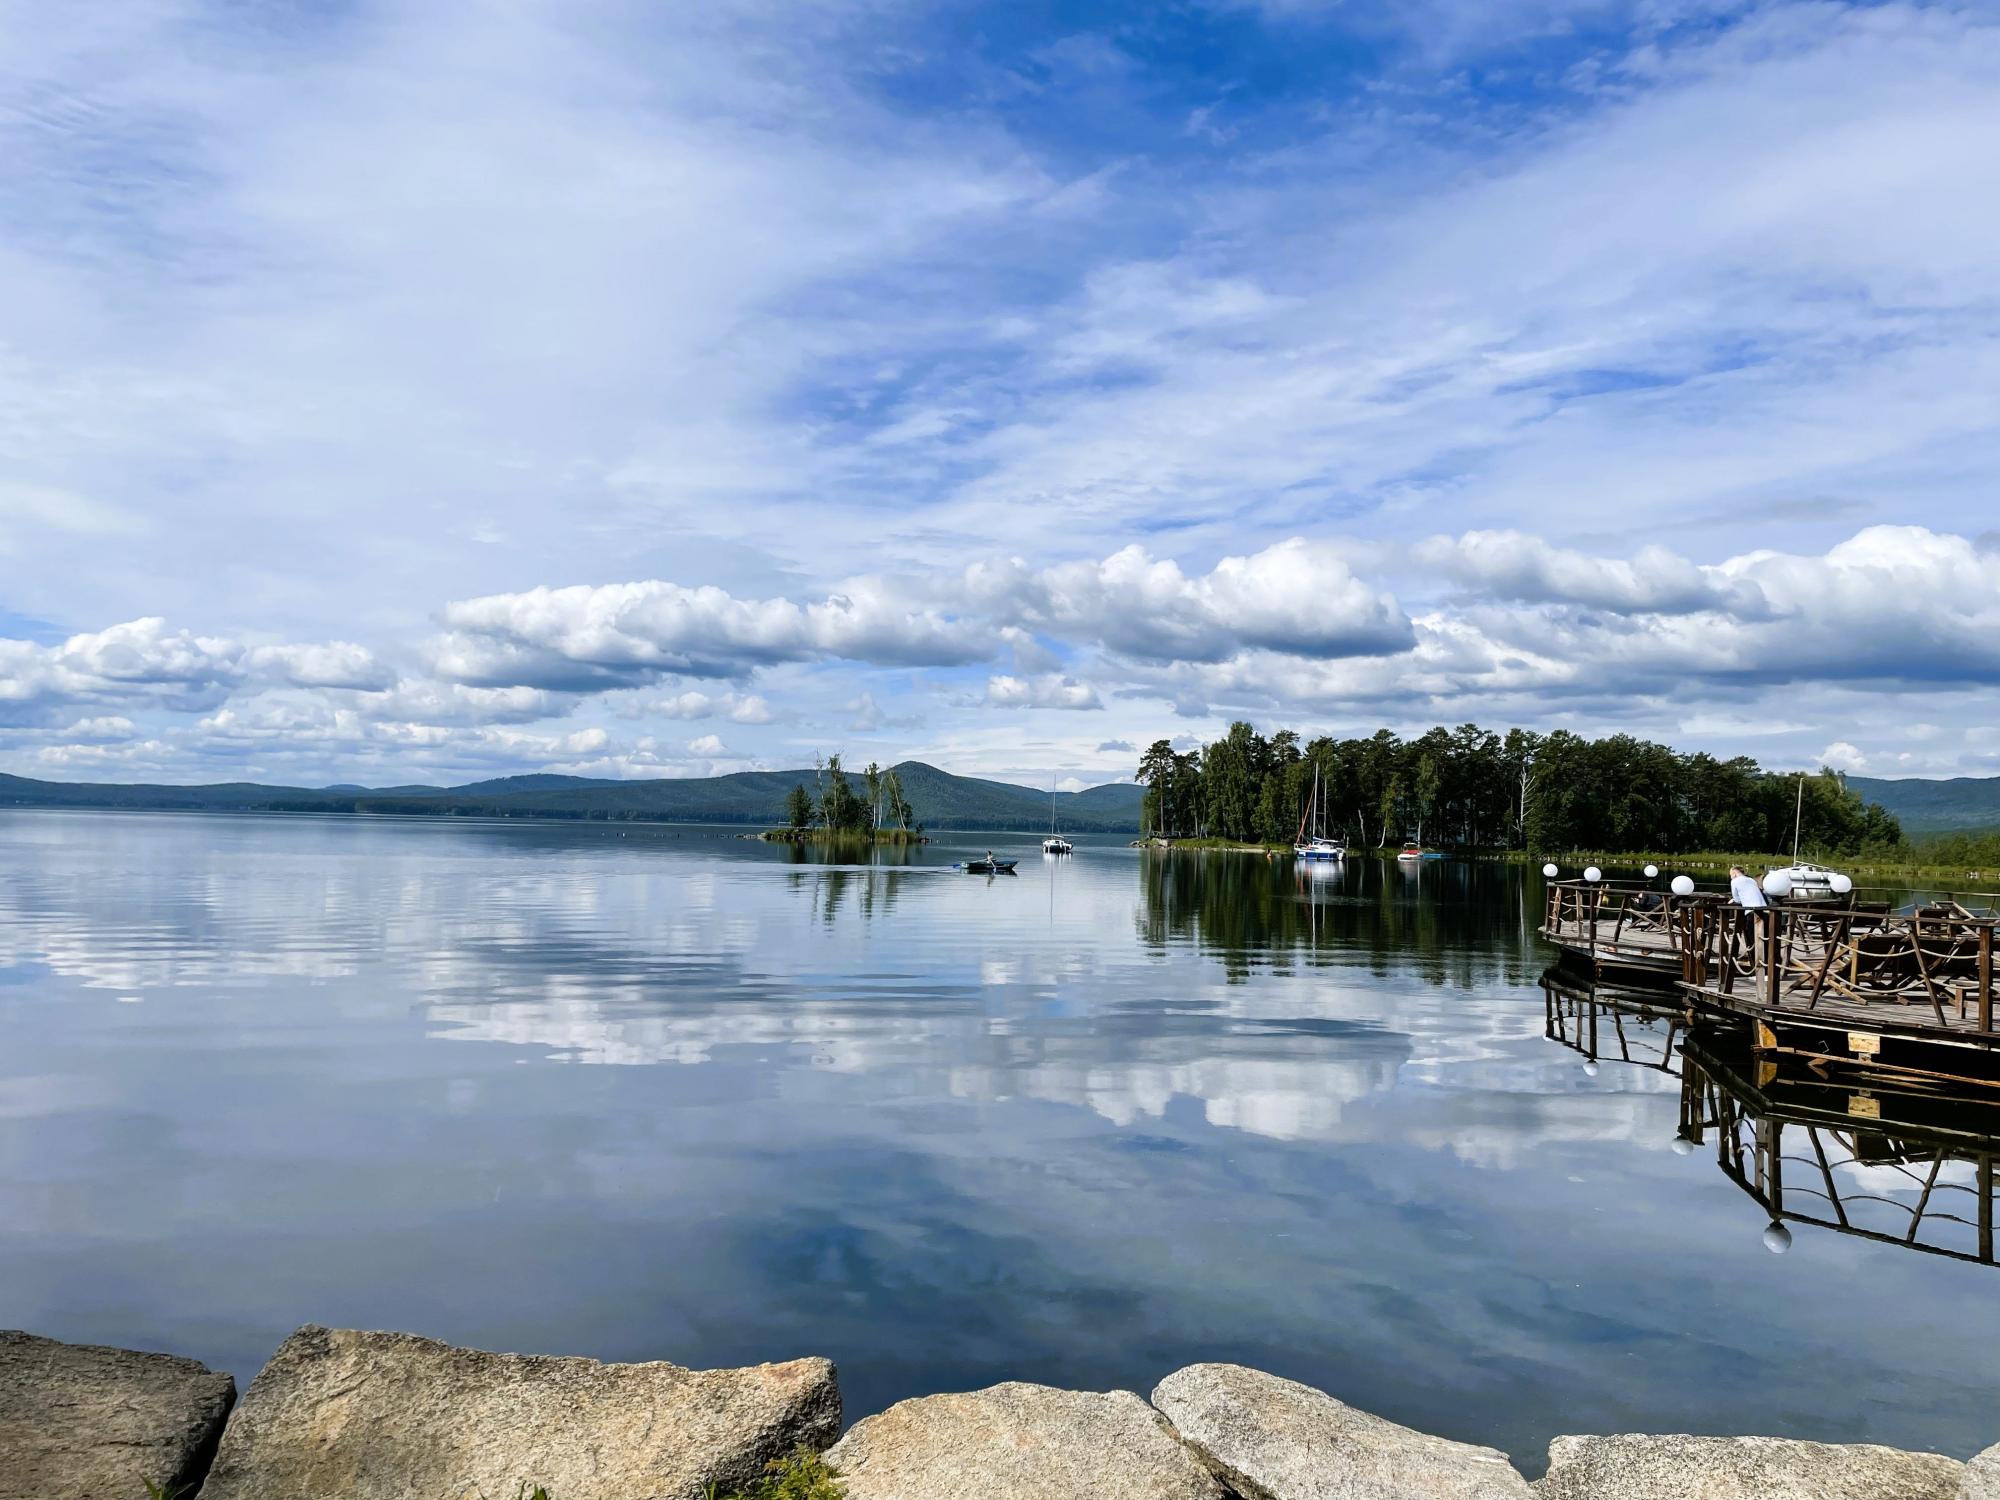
[[1770, 919], [1985, 1187], [1986, 977]]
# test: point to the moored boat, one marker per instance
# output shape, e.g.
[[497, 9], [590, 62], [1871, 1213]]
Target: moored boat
[[1055, 843], [1318, 849]]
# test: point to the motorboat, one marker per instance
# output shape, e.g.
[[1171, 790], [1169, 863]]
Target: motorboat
[[1320, 851], [1412, 851], [1802, 880]]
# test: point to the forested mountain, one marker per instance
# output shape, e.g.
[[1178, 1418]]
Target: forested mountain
[[938, 799], [1473, 787], [1959, 804]]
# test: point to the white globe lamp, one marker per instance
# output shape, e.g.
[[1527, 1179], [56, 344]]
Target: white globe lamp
[[1777, 1238], [1593, 874], [1652, 872], [1683, 885], [1549, 870]]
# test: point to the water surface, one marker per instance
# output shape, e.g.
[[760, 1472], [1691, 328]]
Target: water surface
[[660, 1093]]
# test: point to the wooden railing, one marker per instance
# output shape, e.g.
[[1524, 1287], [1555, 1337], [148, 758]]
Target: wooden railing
[[1938, 956], [1617, 918]]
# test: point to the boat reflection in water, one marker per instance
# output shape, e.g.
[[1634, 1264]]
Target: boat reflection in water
[[1898, 1165], [1603, 1020]]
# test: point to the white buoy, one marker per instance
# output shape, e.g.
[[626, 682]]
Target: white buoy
[[1550, 871], [1683, 885], [1841, 884], [1593, 874], [1777, 1238], [1778, 884], [1652, 872]]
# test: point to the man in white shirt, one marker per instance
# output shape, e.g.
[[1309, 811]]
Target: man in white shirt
[[1743, 890], [1747, 894]]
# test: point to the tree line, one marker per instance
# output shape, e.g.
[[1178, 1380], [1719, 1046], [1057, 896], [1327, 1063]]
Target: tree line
[[835, 807], [1475, 788]]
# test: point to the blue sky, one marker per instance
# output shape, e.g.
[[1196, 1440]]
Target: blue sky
[[431, 391]]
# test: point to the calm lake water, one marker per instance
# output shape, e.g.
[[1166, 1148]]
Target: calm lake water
[[660, 1093]]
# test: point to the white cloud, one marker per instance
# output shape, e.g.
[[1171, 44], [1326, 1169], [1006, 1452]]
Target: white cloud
[[1051, 691], [144, 661], [739, 708], [617, 634], [708, 745]]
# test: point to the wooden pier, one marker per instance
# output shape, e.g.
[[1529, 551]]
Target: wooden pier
[[1617, 929], [1852, 987], [1850, 984]]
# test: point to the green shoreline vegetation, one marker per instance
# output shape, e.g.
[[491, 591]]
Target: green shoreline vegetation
[[1526, 795]]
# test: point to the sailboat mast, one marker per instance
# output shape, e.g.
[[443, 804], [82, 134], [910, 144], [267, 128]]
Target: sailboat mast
[[1799, 817]]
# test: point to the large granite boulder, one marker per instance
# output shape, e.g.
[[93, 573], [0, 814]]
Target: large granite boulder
[[1019, 1442], [1741, 1468], [389, 1416], [83, 1422], [1981, 1479], [1273, 1439]]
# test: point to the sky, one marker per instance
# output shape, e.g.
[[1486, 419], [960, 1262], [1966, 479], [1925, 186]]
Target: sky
[[399, 392]]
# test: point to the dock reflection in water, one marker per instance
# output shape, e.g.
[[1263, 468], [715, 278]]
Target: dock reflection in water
[[1904, 1167], [1596, 1020]]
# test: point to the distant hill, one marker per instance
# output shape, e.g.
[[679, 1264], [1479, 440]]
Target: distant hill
[[941, 799], [1963, 802]]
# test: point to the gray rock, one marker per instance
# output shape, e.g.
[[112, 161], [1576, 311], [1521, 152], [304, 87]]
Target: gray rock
[[83, 1422], [1019, 1442], [1981, 1479], [1273, 1439], [389, 1416], [1741, 1468]]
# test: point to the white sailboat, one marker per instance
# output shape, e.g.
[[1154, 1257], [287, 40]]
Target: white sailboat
[[1319, 848], [1802, 880], [1055, 843]]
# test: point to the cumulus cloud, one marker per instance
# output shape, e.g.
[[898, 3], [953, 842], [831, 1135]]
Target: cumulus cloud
[[1297, 596], [738, 708], [144, 661], [615, 635], [1514, 565], [1052, 691]]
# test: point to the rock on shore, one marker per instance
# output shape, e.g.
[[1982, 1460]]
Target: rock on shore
[[1274, 1439], [1741, 1468], [1981, 1480], [389, 1416], [1020, 1442], [81, 1422]]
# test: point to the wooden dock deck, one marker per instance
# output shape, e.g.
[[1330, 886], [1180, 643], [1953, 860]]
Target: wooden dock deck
[[1631, 932], [1851, 984], [1853, 987]]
